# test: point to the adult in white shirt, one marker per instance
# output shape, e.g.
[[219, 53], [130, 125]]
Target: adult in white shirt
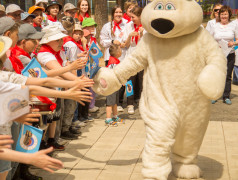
[[112, 33], [225, 30], [214, 17], [132, 35]]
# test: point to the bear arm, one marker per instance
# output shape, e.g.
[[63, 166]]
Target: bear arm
[[211, 80], [134, 63]]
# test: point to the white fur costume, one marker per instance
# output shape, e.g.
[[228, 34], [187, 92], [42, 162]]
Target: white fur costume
[[183, 70]]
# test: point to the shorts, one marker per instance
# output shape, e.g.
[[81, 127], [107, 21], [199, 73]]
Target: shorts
[[112, 99], [5, 166]]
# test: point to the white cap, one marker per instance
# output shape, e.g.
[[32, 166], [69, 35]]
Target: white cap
[[5, 44], [52, 33], [39, 1], [13, 8]]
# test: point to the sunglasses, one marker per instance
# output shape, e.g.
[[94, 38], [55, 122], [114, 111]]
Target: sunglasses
[[216, 10]]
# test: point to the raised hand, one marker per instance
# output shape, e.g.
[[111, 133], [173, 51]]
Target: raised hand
[[84, 82], [42, 160], [78, 64], [5, 141], [79, 95]]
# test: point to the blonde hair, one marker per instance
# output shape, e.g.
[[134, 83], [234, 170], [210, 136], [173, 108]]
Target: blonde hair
[[127, 4], [213, 12]]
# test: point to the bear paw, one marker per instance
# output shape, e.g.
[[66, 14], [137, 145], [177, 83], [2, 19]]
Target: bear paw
[[186, 171]]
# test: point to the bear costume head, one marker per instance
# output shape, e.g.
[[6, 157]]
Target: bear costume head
[[172, 18]]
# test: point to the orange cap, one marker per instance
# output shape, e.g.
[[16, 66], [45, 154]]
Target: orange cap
[[33, 8]]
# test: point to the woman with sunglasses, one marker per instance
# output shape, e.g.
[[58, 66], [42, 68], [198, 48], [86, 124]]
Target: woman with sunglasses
[[226, 32], [214, 17]]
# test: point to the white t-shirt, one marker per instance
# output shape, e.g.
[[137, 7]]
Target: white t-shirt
[[49, 22], [129, 29], [7, 87], [226, 32], [106, 38], [71, 51], [210, 25], [45, 57]]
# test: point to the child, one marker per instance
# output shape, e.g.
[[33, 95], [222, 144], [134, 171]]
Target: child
[[113, 99], [38, 12], [14, 11], [27, 18], [90, 25], [52, 10], [43, 4], [128, 7], [70, 10]]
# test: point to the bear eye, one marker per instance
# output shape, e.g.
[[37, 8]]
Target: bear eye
[[159, 6], [169, 6]]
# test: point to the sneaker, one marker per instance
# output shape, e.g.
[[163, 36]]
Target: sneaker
[[110, 122], [87, 119], [44, 145], [227, 101], [68, 135], [75, 131], [130, 109], [118, 120], [214, 101], [94, 109], [56, 146], [78, 124], [120, 109]]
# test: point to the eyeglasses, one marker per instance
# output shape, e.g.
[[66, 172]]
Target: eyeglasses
[[216, 10]]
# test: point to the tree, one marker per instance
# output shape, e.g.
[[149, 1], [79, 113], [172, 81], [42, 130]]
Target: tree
[[121, 3], [101, 15]]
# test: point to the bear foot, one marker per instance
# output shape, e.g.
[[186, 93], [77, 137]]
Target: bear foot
[[186, 171]]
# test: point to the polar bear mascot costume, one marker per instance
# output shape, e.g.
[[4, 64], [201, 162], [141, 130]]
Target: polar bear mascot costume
[[184, 69]]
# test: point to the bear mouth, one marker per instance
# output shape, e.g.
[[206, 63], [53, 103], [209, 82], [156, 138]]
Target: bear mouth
[[163, 26]]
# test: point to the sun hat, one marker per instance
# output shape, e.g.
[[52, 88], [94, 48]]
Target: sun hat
[[6, 24], [78, 27], [26, 15], [27, 31], [53, 2], [52, 33], [33, 8], [69, 6], [13, 8], [88, 22], [2, 8], [39, 1], [5, 44]]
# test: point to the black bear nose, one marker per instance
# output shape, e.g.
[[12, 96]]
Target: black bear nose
[[163, 26]]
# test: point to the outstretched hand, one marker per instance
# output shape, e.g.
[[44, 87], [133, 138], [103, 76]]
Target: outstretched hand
[[84, 82], [79, 95], [42, 160], [28, 119]]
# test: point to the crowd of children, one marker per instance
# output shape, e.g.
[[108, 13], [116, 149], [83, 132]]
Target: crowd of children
[[60, 43]]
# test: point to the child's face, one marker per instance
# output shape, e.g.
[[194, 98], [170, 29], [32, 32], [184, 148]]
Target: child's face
[[54, 10], [29, 45], [16, 16], [77, 35], [39, 17], [84, 6], [29, 20], [91, 29], [56, 45], [128, 12], [70, 13]]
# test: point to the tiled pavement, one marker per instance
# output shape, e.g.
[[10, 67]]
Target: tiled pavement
[[114, 153]]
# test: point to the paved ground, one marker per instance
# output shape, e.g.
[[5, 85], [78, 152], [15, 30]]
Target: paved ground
[[114, 153]]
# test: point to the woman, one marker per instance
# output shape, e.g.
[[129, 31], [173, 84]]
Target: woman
[[112, 33], [224, 32], [84, 10], [214, 17], [132, 35]]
